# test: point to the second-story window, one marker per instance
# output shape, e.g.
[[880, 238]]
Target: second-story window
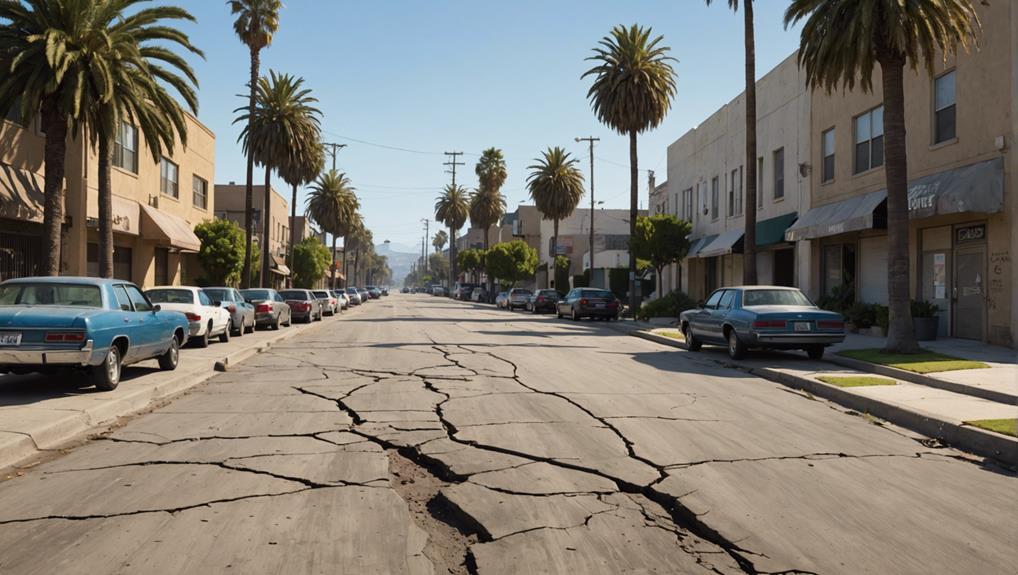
[[779, 173], [715, 192], [759, 182], [200, 193], [687, 203], [944, 109], [735, 193], [869, 140], [168, 179], [827, 140], [125, 147]]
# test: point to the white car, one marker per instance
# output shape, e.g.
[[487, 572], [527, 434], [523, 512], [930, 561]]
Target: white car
[[344, 300], [205, 316]]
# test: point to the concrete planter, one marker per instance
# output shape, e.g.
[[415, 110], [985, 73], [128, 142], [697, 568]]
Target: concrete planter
[[925, 328]]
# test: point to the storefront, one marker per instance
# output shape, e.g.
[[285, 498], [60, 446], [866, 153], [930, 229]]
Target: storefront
[[21, 210]]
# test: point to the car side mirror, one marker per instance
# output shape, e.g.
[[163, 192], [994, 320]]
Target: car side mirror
[[156, 308]]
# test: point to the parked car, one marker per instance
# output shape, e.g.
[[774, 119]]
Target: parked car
[[479, 294], [374, 292], [502, 300], [588, 302], [405, 290], [207, 319], [769, 317], [330, 305], [365, 296], [462, 291], [543, 300], [439, 291], [355, 296], [385, 291], [304, 305], [96, 325], [518, 298], [241, 312], [271, 310], [340, 295]]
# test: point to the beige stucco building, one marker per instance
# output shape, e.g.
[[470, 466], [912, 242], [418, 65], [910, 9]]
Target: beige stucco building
[[230, 205], [155, 204], [961, 124]]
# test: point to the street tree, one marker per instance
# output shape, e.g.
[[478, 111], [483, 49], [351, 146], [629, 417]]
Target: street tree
[[301, 167], [222, 251], [441, 238], [310, 262], [333, 204], [634, 84], [438, 265], [556, 186], [452, 208], [257, 22], [487, 206], [472, 261], [661, 240], [511, 262], [842, 44]]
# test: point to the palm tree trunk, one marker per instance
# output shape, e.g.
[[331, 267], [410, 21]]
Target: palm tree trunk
[[900, 334], [332, 280], [749, 205], [487, 275], [249, 188], [105, 208], [452, 260], [356, 265], [293, 240], [55, 125], [634, 175], [267, 228]]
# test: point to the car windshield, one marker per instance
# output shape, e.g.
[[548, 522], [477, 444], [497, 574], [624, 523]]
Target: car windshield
[[51, 294], [548, 292], [294, 294], [170, 296], [321, 294], [256, 294], [351, 290], [757, 297], [219, 294], [522, 292], [596, 293]]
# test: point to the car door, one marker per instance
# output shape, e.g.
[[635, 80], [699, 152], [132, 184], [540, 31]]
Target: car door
[[564, 304], [240, 302], [700, 322], [217, 313], [719, 315], [280, 309], [146, 331]]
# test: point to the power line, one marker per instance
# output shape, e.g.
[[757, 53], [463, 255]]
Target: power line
[[452, 162], [393, 148]]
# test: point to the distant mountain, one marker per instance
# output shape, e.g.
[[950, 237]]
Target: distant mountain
[[401, 259]]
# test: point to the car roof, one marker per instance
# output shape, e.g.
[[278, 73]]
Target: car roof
[[784, 288], [188, 288], [66, 280]]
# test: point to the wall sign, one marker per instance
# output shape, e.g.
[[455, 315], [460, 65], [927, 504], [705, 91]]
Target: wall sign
[[968, 234]]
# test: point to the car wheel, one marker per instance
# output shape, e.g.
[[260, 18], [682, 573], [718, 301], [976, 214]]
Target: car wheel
[[574, 315], [251, 326], [692, 343], [243, 328], [289, 319], [168, 360], [106, 375], [815, 351], [275, 323], [203, 340], [225, 336], [736, 349]]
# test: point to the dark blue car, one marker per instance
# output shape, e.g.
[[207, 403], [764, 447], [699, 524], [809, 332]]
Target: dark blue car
[[97, 325]]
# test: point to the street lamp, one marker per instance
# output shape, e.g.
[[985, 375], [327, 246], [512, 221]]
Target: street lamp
[[590, 140]]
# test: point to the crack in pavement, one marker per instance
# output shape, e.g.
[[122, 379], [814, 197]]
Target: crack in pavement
[[820, 456]]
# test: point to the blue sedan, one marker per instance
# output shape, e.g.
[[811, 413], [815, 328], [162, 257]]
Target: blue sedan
[[769, 317], [98, 325]]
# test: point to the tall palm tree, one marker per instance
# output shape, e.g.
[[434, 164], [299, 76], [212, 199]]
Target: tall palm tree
[[634, 84], [332, 204], [45, 46], [284, 119], [452, 208], [441, 238], [749, 276], [304, 163], [556, 186], [359, 240], [256, 24], [487, 206], [134, 74], [842, 43]]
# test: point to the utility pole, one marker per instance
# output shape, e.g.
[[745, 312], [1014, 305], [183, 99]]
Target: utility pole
[[453, 163], [424, 244], [590, 140], [332, 151]]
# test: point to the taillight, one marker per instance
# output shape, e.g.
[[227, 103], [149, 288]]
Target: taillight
[[831, 324], [263, 308], [302, 306], [583, 302], [71, 336], [192, 316], [770, 323], [540, 298]]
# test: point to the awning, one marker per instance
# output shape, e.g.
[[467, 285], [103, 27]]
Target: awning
[[977, 188], [126, 215], [279, 266], [771, 232], [699, 244], [21, 194], [724, 244], [858, 213], [159, 225]]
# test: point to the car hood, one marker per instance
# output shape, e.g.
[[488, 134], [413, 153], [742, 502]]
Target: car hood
[[46, 316]]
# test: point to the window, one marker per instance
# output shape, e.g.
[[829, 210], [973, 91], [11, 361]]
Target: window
[[779, 173], [123, 300], [122, 261], [138, 299], [125, 147], [712, 301], [687, 202], [162, 258], [869, 140], [168, 179], [944, 110], [735, 193], [715, 191], [727, 299], [759, 182], [827, 174], [200, 193], [204, 299]]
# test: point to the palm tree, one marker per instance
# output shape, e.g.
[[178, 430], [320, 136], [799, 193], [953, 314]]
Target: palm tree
[[487, 206], [333, 205], [634, 84], [749, 206], [256, 23], [441, 238], [45, 46], [842, 42], [284, 120], [134, 88], [556, 186], [359, 239], [452, 208], [304, 163]]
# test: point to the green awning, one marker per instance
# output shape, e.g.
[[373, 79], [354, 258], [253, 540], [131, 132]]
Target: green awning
[[772, 231]]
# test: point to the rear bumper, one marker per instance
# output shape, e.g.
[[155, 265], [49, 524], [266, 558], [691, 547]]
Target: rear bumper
[[794, 340], [599, 312], [38, 356], [265, 318]]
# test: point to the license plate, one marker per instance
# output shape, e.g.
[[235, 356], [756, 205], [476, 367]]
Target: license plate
[[10, 338], [802, 326], [599, 306]]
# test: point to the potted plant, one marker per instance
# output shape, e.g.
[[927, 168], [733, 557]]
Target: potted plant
[[924, 320]]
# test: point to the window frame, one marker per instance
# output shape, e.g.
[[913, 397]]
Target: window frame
[[870, 142], [827, 174], [715, 198], [778, 193], [196, 179], [759, 182], [952, 107], [119, 160], [164, 163]]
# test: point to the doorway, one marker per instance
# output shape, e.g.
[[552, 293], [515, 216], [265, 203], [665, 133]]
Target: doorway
[[969, 292], [784, 267]]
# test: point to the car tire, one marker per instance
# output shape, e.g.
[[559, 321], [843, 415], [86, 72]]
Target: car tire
[[171, 357], [815, 351], [736, 349], [203, 340], [275, 323], [106, 375], [251, 326], [289, 319], [692, 343], [574, 315], [225, 336], [558, 314], [243, 328]]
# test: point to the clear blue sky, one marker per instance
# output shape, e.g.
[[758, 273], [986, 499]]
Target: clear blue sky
[[465, 75]]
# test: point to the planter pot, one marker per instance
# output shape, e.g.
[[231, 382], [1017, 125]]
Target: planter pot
[[925, 328]]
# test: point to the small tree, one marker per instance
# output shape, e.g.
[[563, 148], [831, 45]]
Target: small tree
[[438, 265], [661, 239], [471, 261], [311, 260], [511, 262], [562, 266], [222, 251]]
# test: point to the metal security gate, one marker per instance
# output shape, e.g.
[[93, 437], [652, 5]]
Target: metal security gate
[[19, 255]]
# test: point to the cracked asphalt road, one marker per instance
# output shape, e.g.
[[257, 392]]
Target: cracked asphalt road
[[418, 435]]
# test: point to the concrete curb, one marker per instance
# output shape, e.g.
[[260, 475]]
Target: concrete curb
[[17, 447], [955, 433], [920, 379]]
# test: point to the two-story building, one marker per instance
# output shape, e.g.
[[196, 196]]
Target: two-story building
[[155, 204], [230, 205]]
